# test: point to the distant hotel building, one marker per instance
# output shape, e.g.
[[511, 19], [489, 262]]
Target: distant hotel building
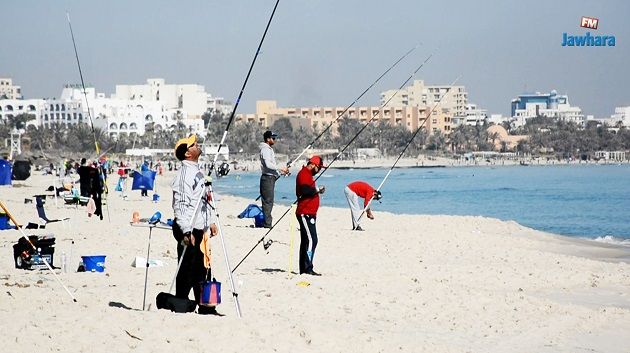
[[318, 118], [621, 116], [133, 109], [551, 105], [8, 90], [419, 94]]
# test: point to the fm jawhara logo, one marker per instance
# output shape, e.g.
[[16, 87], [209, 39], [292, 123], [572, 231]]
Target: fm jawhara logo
[[588, 40]]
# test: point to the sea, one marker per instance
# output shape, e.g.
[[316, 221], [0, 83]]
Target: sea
[[587, 201]]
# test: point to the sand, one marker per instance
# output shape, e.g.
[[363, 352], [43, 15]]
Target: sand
[[409, 283]]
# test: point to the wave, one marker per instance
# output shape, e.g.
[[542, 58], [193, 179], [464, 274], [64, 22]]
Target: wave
[[609, 239]]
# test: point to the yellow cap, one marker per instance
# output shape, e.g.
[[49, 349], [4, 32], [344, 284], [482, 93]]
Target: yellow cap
[[187, 142]]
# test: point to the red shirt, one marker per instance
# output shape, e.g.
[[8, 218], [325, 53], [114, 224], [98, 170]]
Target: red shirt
[[362, 189], [307, 205]]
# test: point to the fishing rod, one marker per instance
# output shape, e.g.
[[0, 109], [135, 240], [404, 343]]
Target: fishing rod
[[208, 183], [267, 244], [87, 105], [340, 115], [238, 100], [406, 146], [37, 251]]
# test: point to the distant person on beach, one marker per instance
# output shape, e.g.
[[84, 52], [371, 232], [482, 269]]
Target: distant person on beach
[[354, 191], [144, 168], [308, 204], [188, 188], [84, 171], [270, 173]]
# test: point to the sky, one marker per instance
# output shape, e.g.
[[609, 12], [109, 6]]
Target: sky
[[321, 52]]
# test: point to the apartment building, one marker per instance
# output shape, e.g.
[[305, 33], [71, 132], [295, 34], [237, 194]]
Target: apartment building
[[318, 118], [8, 90], [420, 94]]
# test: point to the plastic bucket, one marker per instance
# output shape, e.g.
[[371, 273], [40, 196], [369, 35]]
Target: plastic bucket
[[210, 293], [94, 263]]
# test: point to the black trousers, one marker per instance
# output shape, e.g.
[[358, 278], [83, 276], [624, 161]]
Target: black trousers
[[308, 241], [267, 186], [192, 271]]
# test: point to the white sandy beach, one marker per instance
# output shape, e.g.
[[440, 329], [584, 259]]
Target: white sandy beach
[[406, 284]]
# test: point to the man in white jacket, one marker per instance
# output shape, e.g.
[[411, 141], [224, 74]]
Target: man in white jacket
[[270, 173], [188, 188]]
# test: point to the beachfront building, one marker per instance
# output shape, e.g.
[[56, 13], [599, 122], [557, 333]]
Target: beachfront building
[[551, 105], [114, 116], [189, 98], [419, 94], [502, 140], [10, 108], [473, 115], [218, 105], [621, 117], [318, 118], [8, 90]]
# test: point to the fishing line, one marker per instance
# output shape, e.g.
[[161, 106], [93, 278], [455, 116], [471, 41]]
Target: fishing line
[[238, 100], [87, 105], [407, 145], [268, 243], [340, 115], [208, 183]]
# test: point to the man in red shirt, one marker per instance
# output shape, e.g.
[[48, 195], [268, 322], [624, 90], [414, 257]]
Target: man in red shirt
[[306, 212], [356, 190]]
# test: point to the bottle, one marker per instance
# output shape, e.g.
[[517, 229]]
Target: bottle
[[64, 265]]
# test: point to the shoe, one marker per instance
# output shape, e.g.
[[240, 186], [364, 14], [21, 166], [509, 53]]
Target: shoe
[[358, 228], [312, 273]]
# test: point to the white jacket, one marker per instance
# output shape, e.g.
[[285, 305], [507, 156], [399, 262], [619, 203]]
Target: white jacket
[[188, 187]]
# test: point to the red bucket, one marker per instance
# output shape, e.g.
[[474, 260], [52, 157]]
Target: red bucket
[[210, 293]]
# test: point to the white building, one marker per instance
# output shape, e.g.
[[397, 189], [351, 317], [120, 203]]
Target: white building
[[188, 98], [473, 115], [10, 108], [218, 104], [112, 115], [551, 105], [622, 115], [8, 90]]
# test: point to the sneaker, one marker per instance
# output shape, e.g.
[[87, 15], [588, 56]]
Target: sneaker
[[358, 228]]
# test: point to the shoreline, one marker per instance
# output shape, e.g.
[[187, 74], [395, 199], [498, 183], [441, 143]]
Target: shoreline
[[407, 283]]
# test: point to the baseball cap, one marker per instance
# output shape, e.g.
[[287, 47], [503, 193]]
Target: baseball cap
[[182, 146], [377, 195], [269, 134], [318, 161]]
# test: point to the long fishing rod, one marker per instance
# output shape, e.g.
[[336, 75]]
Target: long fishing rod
[[407, 146], [87, 105], [209, 183], [340, 115], [267, 244], [238, 100], [19, 228]]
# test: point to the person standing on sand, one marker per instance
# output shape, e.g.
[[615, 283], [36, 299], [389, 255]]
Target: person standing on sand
[[189, 187], [354, 191], [270, 173], [306, 212]]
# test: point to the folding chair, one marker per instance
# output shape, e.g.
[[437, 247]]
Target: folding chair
[[41, 212]]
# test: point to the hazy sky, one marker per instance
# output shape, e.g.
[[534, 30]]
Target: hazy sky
[[320, 52]]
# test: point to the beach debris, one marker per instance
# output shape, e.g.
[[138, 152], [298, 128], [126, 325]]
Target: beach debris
[[16, 284], [303, 284], [132, 336]]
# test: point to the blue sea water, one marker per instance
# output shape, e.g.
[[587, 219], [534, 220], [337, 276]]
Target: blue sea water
[[591, 201]]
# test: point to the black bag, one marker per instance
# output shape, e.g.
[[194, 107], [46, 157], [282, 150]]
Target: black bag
[[170, 302]]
